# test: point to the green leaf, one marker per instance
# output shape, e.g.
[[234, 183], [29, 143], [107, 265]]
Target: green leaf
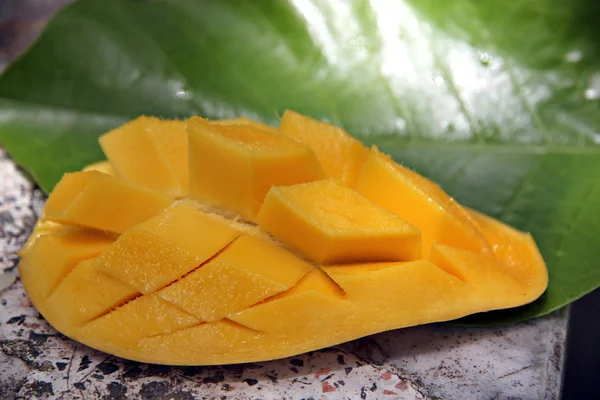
[[496, 101]]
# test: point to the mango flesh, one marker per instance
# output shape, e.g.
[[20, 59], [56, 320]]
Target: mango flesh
[[97, 200], [55, 255], [330, 223], [234, 165], [245, 121], [101, 166], [150, 152], [420, 202], [340, 154], [181, 238], [287, 241]]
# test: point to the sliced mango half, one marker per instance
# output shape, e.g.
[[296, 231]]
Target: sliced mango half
[[215, 242]]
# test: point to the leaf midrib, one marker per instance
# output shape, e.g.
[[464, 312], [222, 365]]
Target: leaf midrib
[[487, 147], [35, 106], [479, 147]]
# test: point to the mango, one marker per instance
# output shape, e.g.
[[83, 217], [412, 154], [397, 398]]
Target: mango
[[84, 293], [101, 166], [331, 223], [340, 154], [96, 200], [181, 237], [251, 267], [235, 165], [245, 121], [142, 317], [230, 241], [150, 152], [420, 202], [55, 255], [516, 251]]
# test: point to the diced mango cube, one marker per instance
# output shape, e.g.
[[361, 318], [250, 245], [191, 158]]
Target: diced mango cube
[[43, 227], [159, 251], [515, 250], [101, 201], [340, 154], [420, 202], [245, 273], [290, 312], [234, 166], [150, 152], [331, 223], [466, 265], [396, 289], [77, 299], [483, 273], [101, 166], [54, 256], [220, 342], [318, 281], [245, 121], [143, 317]]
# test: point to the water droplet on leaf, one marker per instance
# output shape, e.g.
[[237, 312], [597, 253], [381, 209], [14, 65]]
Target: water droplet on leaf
[[593, 90], [400, 123], [574, 56], [484, 59], [438, 80]]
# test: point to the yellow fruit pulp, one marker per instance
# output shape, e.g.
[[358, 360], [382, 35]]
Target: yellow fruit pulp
[[150, 152], [217, 242], [340, 154], [420, 202], [97, 200], [245, 121], [331, 223], [234, 166]]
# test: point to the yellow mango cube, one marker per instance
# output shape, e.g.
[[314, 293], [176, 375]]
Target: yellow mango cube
[[77, 299], [166, 247], [220, 342], [245, 273], [516, 251], [469, 266], [54, 256], [331, 223], [289, 313], [42, 228], [101, 166], [394, 289], [143, 317], [150, 152], [341, 156], [96, 200], [245, 121], [234, 166], [484, 274], [420, 202]]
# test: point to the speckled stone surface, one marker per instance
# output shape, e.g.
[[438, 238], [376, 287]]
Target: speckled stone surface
[[522, 361]]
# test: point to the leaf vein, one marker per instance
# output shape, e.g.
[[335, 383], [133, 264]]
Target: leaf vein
[[326, 98], [149, 39], [581, 205], [535, 116], [520, 190], [233, 72], [456, 94]]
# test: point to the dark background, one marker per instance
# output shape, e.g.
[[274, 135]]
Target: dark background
[[582, 368], [22, 20]]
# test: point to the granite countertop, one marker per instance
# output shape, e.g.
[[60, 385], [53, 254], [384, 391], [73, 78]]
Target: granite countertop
[[520, 361]]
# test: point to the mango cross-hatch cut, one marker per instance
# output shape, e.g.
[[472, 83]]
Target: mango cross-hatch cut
[[215, 242]]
